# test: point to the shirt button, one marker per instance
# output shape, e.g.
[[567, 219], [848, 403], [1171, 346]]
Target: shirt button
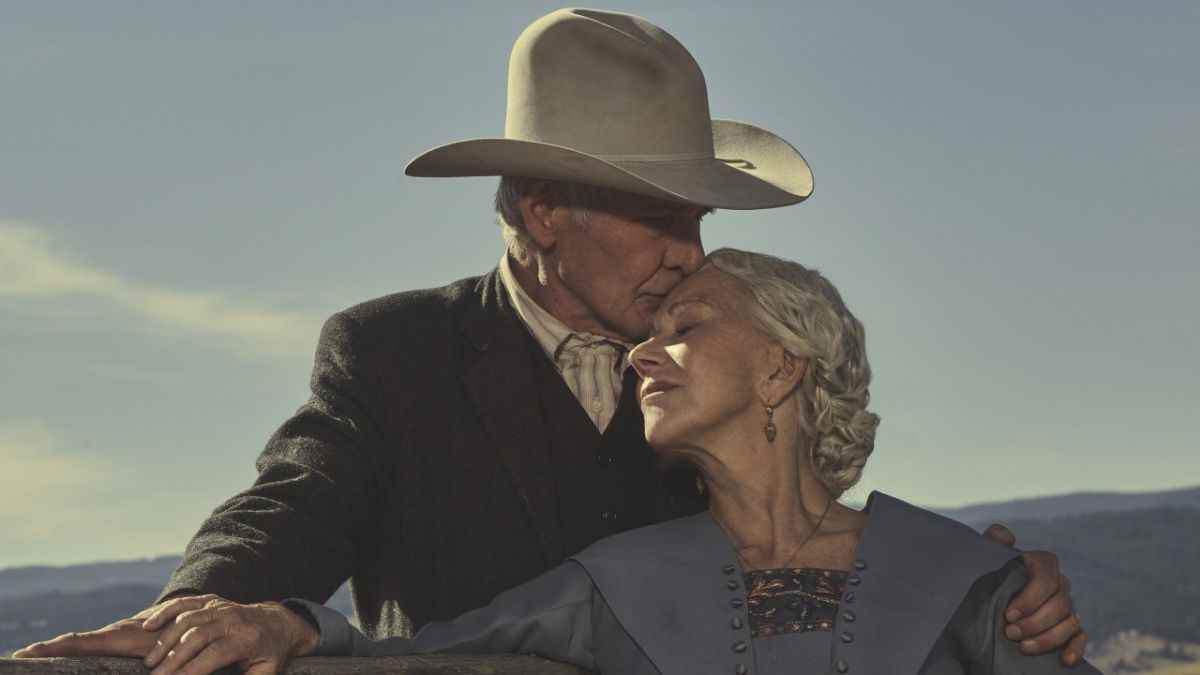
[[847, 637], [841, 666], [596, 405], [849, 597], [739, 646], [736, 623], [848, 616], [741, 669], [860, 565], [854, 580]]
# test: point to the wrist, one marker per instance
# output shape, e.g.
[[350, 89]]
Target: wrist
[[303, 634]]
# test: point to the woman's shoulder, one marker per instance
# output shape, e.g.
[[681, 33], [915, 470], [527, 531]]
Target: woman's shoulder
[[933, 535]]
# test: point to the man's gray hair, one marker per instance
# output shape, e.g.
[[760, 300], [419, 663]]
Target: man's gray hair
[[804, 312], [580, 196]]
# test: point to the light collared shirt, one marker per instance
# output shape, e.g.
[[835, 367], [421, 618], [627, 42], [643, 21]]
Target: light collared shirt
[[591, 365]]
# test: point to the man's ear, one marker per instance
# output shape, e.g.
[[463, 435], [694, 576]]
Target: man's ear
[[542, 218], [786, 371]]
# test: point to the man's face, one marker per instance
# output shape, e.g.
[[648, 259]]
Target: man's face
[[621, 262]]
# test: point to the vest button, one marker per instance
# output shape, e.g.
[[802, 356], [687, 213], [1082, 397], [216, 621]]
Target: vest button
[[608, 516]]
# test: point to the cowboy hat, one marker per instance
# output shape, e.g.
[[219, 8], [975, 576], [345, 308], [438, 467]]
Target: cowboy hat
[[610, 99]]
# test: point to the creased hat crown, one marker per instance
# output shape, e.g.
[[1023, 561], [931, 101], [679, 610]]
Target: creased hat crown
[[602, 71]]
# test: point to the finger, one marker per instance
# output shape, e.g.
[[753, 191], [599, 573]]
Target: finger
[[263, 668], [1073, 654], [1000, 534], [173, 608], [1060, 634], [190, 644], [126, 639], [170, 636], [1044, 582], [1055, 610], [213, 657]]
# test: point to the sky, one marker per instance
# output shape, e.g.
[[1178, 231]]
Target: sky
[[1006, 195]]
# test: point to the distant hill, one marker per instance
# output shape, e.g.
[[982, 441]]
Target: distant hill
[[1074, 504], [75, 578]]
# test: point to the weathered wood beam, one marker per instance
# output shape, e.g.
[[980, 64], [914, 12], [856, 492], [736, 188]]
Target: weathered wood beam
[[322, 665]]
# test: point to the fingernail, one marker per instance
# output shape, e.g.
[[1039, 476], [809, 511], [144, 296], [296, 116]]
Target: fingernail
[[1013, 632], [1028, 644], [1072, 657], [1013, 614]]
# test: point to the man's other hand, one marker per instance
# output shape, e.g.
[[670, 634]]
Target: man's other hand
[[125, 637], [1042, 616]]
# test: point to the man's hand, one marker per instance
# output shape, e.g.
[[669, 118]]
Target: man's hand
[[199, 635], [1042, 615], [125, 637]]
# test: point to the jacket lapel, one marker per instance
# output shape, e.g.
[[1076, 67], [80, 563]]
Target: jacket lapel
[[498, 377]]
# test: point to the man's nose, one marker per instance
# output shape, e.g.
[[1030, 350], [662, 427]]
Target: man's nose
[[685, 251]]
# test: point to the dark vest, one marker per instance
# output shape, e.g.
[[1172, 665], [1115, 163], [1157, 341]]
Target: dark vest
[[606, 483]]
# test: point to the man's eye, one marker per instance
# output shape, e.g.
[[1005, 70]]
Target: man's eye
[[683, 330]]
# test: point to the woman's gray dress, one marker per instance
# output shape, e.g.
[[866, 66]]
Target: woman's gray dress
[[927, 596]]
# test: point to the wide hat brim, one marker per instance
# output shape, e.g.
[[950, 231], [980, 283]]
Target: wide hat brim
[[752, 168]]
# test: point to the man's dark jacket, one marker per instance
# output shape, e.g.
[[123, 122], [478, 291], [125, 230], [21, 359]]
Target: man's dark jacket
[[440, 460]]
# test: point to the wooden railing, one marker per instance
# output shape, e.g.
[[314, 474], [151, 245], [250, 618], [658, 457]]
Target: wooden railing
[[319, 665]]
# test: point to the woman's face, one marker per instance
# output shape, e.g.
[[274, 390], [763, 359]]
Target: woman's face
[[700, 365]]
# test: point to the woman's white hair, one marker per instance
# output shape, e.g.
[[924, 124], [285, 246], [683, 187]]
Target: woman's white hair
[[804, 312]]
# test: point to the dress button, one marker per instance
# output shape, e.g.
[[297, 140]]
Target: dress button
[[741, 669], [739, 646], [736, 623], [848, 616], [736, 602], [728, 569], [860, 565], [850, 596], [731, 585], [847, 637], [841, 666], [854, 580]]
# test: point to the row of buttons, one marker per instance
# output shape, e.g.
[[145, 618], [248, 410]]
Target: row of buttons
[[848, 615], [737, 623]]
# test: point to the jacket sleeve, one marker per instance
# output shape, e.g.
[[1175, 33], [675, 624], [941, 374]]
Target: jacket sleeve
[[978, 628], [549, 616], [298, 530]]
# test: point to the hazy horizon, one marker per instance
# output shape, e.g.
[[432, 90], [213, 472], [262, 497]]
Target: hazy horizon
[[1006, 196]]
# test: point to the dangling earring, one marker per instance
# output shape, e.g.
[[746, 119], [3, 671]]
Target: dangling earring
[[769, 430], [699, 485]]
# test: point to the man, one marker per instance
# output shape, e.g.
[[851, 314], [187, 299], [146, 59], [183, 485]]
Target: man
[[462, 440]]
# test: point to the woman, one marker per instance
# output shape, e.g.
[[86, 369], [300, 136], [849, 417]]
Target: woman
[[756, 373]]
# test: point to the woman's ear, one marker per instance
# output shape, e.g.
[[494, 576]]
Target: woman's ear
[[786, 371]]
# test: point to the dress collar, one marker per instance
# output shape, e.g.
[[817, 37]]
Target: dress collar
[[677, 589]]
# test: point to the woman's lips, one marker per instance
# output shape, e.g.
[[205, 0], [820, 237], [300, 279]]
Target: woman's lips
[[656, 389]]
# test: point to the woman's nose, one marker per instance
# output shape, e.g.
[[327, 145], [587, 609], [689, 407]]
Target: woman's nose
[[646, 357]]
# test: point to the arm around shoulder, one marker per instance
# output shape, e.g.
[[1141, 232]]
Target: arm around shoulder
[[979, 623]]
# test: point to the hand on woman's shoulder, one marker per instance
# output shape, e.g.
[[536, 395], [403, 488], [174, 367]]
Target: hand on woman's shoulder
[[977, 629]]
